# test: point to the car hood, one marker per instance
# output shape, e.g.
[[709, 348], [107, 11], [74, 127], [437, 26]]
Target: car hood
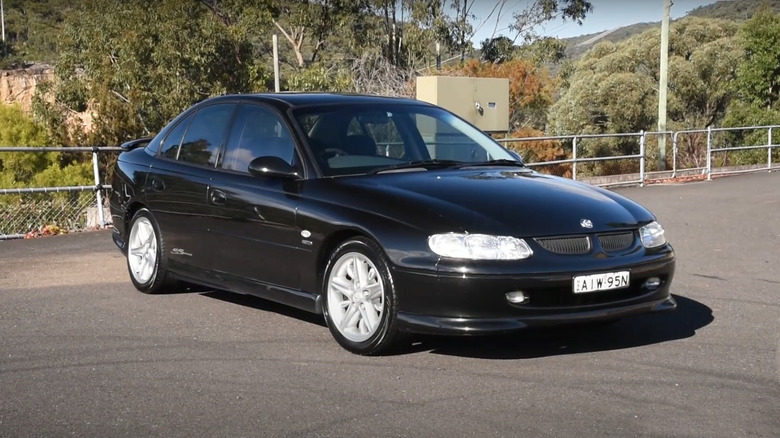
[[516, 202]]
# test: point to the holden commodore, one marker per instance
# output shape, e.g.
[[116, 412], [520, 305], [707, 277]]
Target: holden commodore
[[387, 216]]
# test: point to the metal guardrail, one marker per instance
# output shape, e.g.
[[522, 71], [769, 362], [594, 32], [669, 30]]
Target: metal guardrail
[[642, 137], [97, 188], [708, 169], [576, 160]]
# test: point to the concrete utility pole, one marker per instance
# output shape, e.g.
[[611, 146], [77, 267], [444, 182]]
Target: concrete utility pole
[[663, 85], [2, 19], [275, 41]]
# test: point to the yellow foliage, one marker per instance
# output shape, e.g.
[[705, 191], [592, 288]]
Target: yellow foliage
[[531, 88], [535, 151]]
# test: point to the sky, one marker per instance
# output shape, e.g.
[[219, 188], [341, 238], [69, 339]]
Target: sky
[[606, 15]]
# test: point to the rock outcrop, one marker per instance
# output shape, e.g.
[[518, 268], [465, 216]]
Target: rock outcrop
[[18, 86]]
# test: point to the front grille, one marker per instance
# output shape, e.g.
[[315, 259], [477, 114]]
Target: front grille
[[616, 242], [571, 245]]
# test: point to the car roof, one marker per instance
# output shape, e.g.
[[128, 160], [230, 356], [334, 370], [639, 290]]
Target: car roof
[[297, 99]]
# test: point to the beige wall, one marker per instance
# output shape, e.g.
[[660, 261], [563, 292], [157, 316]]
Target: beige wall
[[18, 86]]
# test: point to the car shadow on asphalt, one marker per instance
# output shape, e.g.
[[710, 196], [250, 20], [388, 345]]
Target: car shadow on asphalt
[[635, 331], [261, 304]]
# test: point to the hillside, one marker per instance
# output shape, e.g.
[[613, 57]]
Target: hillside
[[725, 9], [577, 46], [734, 9]]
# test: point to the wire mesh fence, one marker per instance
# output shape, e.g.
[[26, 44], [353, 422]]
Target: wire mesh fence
[[51, 213], [26, 211]]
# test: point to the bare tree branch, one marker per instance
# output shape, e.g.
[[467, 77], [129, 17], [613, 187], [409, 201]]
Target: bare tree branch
[[377, 75], [297, 33]]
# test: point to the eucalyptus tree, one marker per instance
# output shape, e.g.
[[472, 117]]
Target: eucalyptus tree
[[538, 12], [757, 84], [613, 87], [32, 30], [314, 29], [137, 63]]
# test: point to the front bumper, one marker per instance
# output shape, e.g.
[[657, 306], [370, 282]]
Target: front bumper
[[483, 326], [472, 304]]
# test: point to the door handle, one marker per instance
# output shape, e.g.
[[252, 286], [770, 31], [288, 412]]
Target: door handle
[[157, 184], [218, 197]]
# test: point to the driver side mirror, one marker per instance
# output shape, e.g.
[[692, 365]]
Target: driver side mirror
[[272, 167]]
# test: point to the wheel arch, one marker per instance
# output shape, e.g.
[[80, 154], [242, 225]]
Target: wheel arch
[[130, 211], [329, 244], [385, 335]]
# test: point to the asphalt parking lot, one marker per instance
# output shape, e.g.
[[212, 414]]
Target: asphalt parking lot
[[83, 354]]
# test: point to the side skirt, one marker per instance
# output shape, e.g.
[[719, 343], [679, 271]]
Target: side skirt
[[118, 241], [306, 301]]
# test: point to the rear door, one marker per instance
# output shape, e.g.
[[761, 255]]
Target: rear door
[[178, 185]]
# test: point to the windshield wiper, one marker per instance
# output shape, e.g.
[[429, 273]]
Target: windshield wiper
[[502, 162], [421, 164]]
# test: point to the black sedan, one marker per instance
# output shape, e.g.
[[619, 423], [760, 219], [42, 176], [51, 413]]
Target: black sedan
[[385, 215]]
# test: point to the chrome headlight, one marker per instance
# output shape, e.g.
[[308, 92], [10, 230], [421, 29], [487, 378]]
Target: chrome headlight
[[652, 235], [479, 247]]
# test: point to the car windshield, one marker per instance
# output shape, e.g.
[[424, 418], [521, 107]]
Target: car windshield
[[350, 140]]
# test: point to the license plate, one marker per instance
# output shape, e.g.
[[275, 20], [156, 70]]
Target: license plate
[[598, 282]]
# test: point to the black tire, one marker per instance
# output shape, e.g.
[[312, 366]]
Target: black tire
[[374, 331], [148, 276]]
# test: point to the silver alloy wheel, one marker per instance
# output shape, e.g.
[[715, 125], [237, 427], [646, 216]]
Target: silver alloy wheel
[[356, 297], [142, 250]]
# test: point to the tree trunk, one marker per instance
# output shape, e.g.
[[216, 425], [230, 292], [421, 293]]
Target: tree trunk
[[295, 38], [463, 32]]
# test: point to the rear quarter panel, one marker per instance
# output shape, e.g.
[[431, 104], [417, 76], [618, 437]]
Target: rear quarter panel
[[128, 187]]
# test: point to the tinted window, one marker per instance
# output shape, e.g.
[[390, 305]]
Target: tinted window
[[349, 140], [204, 137], [170, 148], [383, 130], [447, 142], [257, 132]]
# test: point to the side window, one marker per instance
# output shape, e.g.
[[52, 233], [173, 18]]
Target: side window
[[257, 132], [204, 137], [170, 146]]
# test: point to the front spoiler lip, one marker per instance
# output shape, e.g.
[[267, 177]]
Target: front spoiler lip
[[483, 326]]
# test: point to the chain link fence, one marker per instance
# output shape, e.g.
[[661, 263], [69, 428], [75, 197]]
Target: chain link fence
[[53, 210], [47, 213]]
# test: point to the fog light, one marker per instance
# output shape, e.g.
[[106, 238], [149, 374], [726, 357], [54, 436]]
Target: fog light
[[652, 283], [516, 297]]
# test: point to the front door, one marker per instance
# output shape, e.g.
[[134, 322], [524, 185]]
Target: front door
[[254, 218]]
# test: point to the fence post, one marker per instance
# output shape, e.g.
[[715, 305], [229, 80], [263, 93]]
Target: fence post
[[574, 157], [98, 188], [674, 155], [642, 142], [769, 151], [709, 153]]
